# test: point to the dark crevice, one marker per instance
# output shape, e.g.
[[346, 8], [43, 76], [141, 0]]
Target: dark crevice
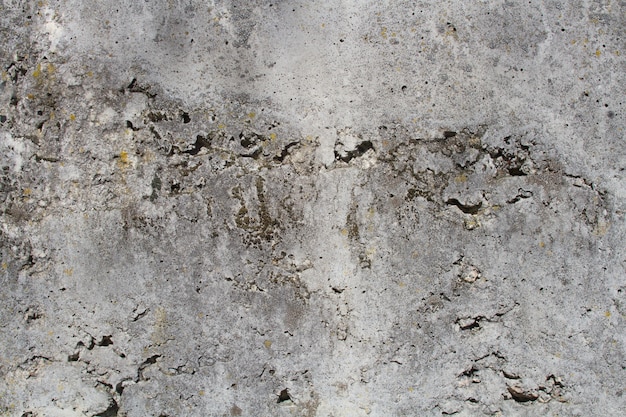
[[470, 372], [132, 84], [465, 208], [284, 396], [473, 324], [359, 151], [496, 153], [149, 361], [130, 126], [156, 134], [119, 387], [285, 152], [105, 341], [517, 172], [156, 117], [135, 87], [111, 411], [201, 142], [521, 194], [247, 142]]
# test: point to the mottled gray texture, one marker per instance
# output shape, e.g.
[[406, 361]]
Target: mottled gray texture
[[312, 208]]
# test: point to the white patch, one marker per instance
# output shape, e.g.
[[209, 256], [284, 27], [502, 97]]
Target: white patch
[[13, 150], [54, 31]]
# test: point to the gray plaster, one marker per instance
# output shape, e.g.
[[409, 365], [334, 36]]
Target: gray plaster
[[312, 208]]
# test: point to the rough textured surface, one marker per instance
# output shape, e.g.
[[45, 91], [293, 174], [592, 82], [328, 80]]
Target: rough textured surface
[[225, 208]]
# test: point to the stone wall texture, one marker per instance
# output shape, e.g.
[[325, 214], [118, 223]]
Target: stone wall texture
[[312, 208]]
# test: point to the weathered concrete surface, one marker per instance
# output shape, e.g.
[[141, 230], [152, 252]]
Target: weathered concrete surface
[[307, 208]]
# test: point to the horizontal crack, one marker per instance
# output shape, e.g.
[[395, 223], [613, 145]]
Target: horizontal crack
[[465, 208]]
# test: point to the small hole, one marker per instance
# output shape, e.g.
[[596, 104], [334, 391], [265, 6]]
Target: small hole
[[284, 396]]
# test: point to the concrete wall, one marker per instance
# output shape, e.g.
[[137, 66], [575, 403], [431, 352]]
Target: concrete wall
[[312, 208]]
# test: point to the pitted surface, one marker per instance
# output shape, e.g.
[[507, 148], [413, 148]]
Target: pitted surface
[[370, 208]]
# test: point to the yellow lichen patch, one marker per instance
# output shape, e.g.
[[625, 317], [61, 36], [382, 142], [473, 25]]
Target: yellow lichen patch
[[4, 265], [52, 115], [37, 71], [123, 160], [221, 126], [251, 115], [598, 52], [50, 68], [542, 244], [30, 96], [344, 232], [273, 136], [5, 76], [383, 32], [460, 178], [68, 271], [267, 344], [607, 314], [401, 284], [89, 73], [471, 223], [201, 393], [72, 117], [27, 191], [411, 389]]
